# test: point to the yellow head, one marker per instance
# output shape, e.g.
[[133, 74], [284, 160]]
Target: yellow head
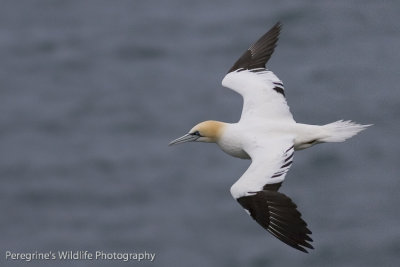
[[206, 131]]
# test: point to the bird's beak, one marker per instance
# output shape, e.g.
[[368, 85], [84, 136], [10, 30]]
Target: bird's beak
[[184, 139]]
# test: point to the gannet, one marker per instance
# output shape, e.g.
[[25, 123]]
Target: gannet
[[268, 135]]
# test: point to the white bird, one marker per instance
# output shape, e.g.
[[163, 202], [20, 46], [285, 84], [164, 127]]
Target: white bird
[[268, 135]]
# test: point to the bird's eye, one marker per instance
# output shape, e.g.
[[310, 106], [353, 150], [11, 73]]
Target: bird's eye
[[196, 133]]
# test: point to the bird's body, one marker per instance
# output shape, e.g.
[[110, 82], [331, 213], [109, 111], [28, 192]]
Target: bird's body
[[268, 135]]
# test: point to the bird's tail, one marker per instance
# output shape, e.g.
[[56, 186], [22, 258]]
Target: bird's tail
[[339, 131]]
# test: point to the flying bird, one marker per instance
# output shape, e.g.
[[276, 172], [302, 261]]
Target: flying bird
[[268, 135]]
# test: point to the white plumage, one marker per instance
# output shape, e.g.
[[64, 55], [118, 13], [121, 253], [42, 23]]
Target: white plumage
[[260, 102], [268, 135]]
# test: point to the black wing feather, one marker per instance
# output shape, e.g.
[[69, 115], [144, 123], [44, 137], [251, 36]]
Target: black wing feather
[[277, 213], [260, 52]]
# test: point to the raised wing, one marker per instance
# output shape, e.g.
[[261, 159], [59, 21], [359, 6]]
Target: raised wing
[[260, 52], [263, 93], [257, 192]]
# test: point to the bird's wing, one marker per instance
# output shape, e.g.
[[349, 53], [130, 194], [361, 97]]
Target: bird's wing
[[260, 52], [257, 192], [263, 93]]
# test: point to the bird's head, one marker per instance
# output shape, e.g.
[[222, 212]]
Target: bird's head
[[206, 131]]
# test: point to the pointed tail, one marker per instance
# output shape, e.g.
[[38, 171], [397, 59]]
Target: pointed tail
[[339, 131]]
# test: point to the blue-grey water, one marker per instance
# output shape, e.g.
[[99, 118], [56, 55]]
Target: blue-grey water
[[91, 93]]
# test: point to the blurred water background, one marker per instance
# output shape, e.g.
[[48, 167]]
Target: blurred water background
[[91, 92]]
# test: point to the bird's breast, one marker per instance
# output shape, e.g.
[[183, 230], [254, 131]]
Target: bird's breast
[[235, 151], [231, 143]]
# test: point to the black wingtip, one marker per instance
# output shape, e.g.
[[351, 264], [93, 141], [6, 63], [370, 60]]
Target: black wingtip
[[260, 52], [277, 213]]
